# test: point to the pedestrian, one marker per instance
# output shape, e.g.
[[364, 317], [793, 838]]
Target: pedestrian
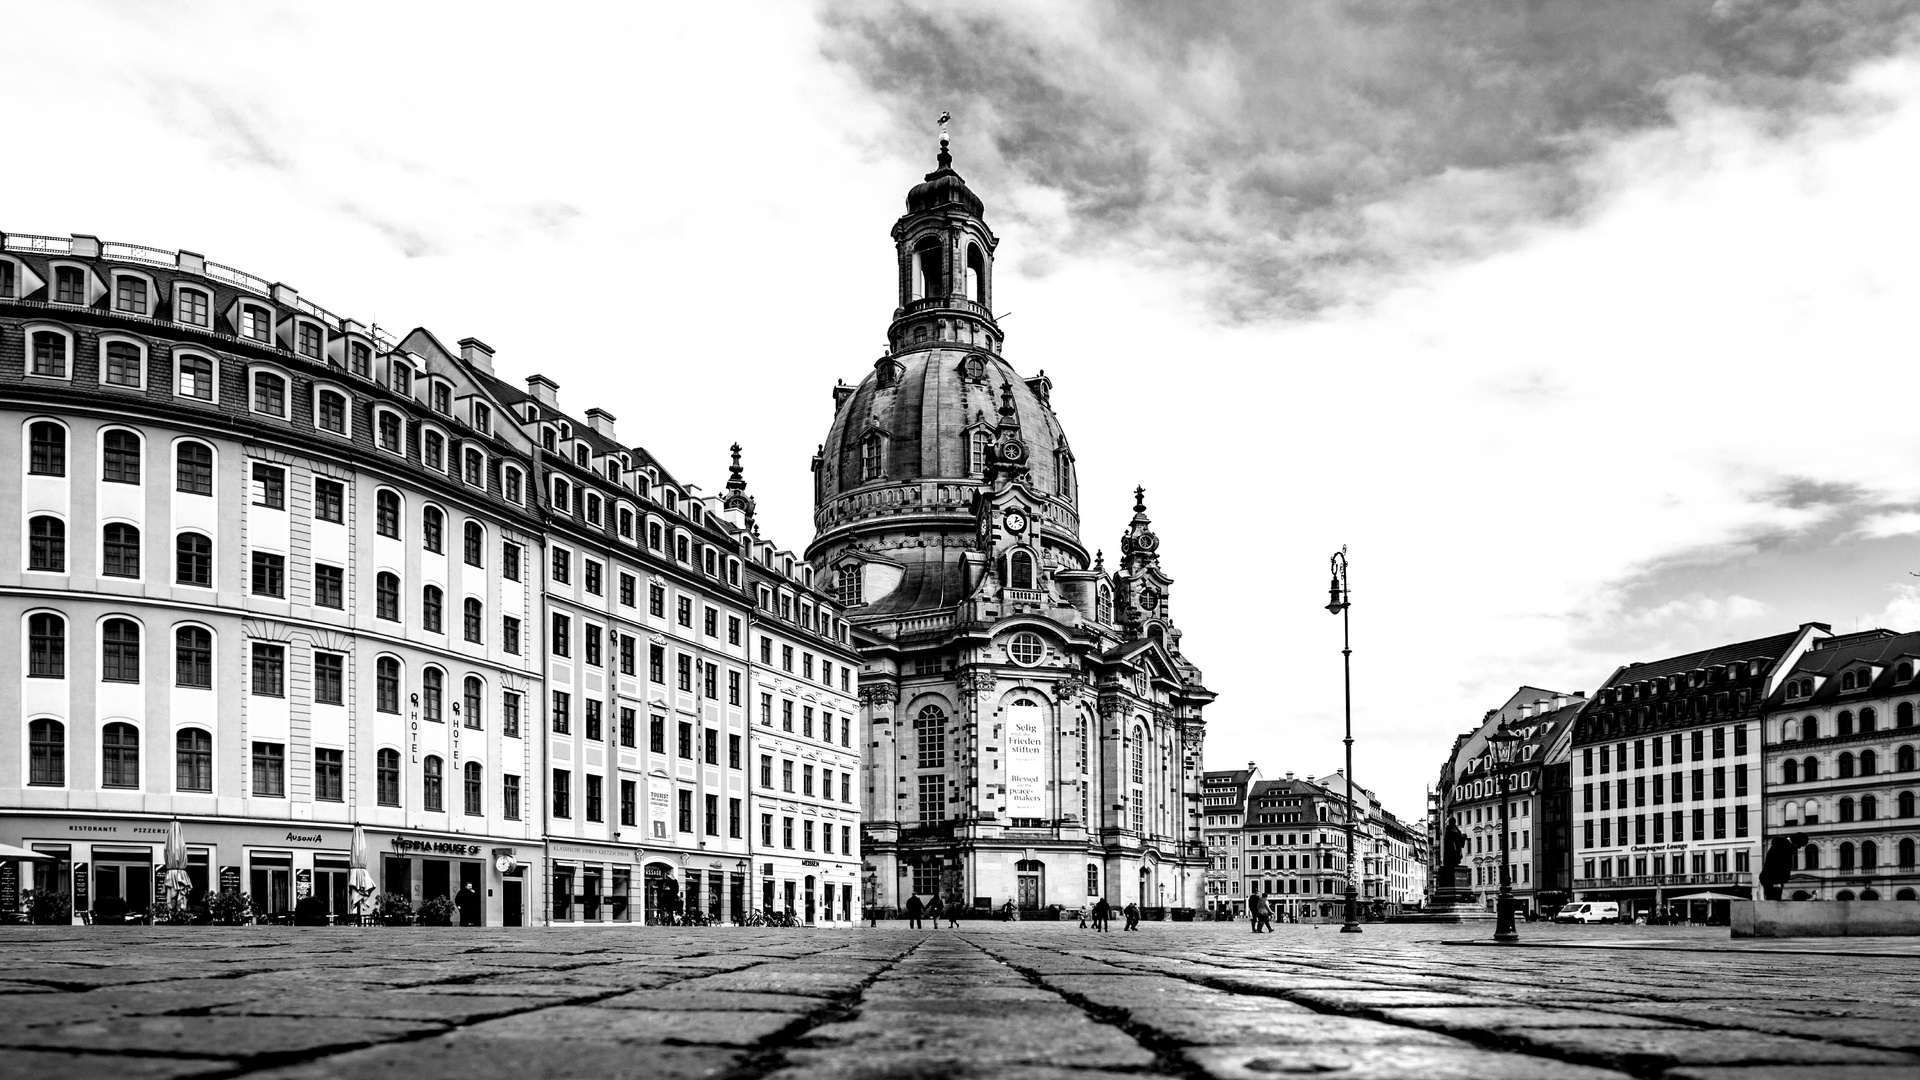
[[1102, 912], [934, 907], [467, 902], [1083, 918], [914, 909], [1782, 856], [1132, 912], [1257, 912], [953, 914]]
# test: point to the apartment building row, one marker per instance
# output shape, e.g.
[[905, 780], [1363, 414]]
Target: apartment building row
[[279, 576]]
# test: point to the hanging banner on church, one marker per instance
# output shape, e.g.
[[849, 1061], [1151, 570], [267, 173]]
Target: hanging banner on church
[[1026, 760]]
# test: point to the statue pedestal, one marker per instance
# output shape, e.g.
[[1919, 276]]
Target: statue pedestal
[[1454, 900]]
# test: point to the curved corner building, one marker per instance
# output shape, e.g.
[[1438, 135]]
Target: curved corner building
[[1035, 731]]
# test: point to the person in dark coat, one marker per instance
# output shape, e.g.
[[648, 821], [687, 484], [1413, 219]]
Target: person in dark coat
[[467, 902], [934, 908], [1102, 912], [1132, 912], [1783, 854], [914, 910]]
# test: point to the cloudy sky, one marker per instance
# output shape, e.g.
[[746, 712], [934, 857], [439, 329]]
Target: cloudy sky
[[1572, 320]]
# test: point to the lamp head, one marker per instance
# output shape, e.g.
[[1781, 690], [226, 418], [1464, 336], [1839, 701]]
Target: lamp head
[[1336, 602]]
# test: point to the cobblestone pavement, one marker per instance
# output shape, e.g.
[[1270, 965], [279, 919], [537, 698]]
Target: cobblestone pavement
[[1014, 1000]]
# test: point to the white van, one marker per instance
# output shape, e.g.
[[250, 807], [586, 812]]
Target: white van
[[1589, 911]]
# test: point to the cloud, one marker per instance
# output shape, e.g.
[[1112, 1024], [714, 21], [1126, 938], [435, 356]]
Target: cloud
[[1304, 155]]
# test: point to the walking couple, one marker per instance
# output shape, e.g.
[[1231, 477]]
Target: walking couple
[[1260, 912]]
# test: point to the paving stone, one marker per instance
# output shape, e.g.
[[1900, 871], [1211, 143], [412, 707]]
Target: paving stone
[[675, 1000], [475, 1058], [235, 1036], [769, 980], [56, 1065], [1365, 1062], [1277, 1026], [1498, 1018], [910, 1066], [590, 1024], [1383, 999], [384, 1004], [1645, 1050]]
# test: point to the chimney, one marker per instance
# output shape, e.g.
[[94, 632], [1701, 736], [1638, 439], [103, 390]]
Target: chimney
[[1526, 711], [1580, 695], [601, 421], [477, 354], [1559, 701], [1251, 766], [544, 390]]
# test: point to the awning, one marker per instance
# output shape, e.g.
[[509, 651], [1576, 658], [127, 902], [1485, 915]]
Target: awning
[[8, 851]]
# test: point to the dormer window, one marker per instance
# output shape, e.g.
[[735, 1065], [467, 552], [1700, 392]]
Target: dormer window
[[256, 323], [510, 485], [190, 307], [130, 294], [580, 456], [482, 418], [977, 442], [613, 470], [681, 550], [433, 451], [593, 509], [269, 394], [400, 377], [309, 341], [870, 456], [361, 356], [1903, 672], [443, 399], [69, 285], [548, 440], [388, 431]]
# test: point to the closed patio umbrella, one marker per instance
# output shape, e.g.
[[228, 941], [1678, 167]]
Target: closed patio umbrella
[[359, 878], [179, 883], [1707, 896]]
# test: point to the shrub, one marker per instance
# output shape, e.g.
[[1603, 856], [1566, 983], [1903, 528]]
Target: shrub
[[438, 911], [310, 911], [395, 910], [50, 908], [230, 908]]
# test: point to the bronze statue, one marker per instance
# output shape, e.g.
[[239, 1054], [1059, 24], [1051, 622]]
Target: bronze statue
[[1454, 844]]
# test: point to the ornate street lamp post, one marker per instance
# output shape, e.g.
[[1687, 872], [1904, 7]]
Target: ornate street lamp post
[[1339, 599], [1502, 746]]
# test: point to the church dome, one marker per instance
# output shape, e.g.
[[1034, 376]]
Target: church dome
[[926, 411]]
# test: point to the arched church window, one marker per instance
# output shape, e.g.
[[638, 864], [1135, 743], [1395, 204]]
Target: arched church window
[[929, 277], [976, 275], [1103, 604], [977, 444], [847, 587], [1020, 570], [1063, 472], [870, 457], [931, 737]]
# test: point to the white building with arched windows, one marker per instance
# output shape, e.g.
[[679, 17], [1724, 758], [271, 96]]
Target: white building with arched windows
[[1840, 742], [1035, 731]]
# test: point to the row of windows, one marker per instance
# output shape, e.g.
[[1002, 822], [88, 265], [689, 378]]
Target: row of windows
[[193, 768], [1807, 729], [1846, 766], [120, 645], [1656, 786], [1795, 812], [123, 364], [805, 729], [1613, 831], [1675, 746], [1739, 862], [120, 462], [806, 779], [1860, 678]]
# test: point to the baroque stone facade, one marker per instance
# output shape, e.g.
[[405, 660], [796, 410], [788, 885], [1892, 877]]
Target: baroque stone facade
[[1036, 732]]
